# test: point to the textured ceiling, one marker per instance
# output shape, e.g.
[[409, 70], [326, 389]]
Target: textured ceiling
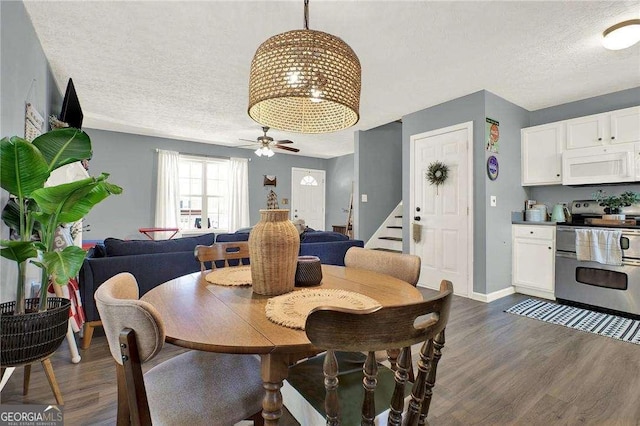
[[181, 69]]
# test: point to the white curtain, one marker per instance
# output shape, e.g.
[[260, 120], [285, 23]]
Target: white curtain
[[168, 194], [239, 194]]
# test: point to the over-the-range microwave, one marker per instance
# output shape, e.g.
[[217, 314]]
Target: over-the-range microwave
[[602, 164]]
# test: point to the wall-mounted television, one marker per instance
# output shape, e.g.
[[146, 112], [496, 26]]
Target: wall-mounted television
[[71, 111]]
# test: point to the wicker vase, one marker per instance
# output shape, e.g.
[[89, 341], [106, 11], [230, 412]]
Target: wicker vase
[[274, 244]]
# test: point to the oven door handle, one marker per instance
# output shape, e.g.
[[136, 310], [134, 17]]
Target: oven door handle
[[569, 255]]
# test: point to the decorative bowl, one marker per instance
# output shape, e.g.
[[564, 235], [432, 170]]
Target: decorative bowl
[[308, 271]]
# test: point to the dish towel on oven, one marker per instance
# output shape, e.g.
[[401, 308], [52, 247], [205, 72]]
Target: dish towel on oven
[[599, 245]]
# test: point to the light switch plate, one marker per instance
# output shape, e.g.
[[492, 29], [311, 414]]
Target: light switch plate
[[363, 197], [494, 201]]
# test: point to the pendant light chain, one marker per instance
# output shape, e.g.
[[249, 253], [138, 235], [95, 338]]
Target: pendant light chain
[[306, 14]]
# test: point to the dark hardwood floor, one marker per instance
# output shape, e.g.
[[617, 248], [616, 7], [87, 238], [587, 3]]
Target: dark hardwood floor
[[496, 369]]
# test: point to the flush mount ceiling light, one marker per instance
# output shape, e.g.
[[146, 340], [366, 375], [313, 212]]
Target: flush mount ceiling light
[[305, 81], [622, 35]]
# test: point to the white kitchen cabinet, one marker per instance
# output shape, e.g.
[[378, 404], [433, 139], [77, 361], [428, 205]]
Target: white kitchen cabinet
[[615, 127], [542, 154], [533, 260], [625, 125]]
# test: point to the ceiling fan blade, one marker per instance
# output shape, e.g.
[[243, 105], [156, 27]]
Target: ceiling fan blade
[[247, 140], [284, 141], [287, 148]]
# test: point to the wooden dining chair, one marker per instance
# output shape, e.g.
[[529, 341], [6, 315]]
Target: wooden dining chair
[[405, 267], [339, 329], [193, 388], [219, 254]]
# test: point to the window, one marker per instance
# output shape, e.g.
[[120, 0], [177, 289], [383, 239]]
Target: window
[[204, 192], [309, 180]]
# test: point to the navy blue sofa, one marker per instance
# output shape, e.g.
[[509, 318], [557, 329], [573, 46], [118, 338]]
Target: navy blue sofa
[[152, 262], [330, 247]]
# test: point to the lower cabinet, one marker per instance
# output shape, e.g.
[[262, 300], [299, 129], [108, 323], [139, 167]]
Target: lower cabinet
[[533, 260]]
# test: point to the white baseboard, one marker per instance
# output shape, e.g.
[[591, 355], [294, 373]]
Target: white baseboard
[[488, 298], [480, 297], [534, 292]]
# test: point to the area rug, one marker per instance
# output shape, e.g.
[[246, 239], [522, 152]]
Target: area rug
[[620, 328]]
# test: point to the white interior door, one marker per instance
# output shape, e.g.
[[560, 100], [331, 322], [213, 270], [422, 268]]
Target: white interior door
[[443, 213], [308, 197]]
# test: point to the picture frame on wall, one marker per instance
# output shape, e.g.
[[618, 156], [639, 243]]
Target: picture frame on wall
[[269, 180]]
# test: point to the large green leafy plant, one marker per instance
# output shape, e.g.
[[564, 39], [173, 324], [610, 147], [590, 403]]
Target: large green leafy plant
[[36, 211]]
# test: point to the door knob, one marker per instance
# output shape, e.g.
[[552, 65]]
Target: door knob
[[416, 218]]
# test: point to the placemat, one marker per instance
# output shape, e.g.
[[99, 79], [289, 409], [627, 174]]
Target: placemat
[[291, 309], [230, 276]]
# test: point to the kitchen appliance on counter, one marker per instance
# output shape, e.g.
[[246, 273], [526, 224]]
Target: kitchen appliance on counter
[[559, 213], [604, 287]]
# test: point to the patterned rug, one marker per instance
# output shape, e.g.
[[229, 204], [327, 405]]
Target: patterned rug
[[620, 328]]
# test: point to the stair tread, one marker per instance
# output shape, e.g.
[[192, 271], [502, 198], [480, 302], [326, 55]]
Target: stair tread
[[390, 238], [389, 250], [394, 227]]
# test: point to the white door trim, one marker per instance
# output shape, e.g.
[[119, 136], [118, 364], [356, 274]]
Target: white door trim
[[468, 126]]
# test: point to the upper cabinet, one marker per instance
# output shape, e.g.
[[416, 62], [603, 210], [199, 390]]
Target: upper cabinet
[[621, 126], [542, 154], [586, 132], [565, 152], [625, 125]]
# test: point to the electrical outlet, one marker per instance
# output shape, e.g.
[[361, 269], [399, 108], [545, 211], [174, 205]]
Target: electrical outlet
[[494, 201]]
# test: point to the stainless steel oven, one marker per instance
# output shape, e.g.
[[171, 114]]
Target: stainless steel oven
[[609, 287]]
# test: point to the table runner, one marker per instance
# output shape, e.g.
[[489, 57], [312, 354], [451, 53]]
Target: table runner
[[291, 309]]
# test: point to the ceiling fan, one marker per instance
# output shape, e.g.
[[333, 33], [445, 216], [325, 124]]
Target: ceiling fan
[[267, 142]]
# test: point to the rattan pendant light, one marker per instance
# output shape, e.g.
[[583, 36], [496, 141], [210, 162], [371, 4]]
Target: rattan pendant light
[[305, 81]]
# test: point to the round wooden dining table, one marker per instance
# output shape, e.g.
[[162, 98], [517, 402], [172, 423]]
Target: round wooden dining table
[[231, 319]]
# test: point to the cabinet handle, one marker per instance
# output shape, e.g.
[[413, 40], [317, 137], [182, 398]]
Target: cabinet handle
[[549, 248], [599, 139], [531, 232], [613, 137], [558, 175]]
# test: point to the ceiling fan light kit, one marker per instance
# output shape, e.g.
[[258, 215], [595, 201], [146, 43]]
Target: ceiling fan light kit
[[305, 81], [267, 142], [622, 35], [264, 150]]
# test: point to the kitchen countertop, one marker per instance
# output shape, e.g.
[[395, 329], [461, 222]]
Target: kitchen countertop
[[524, 222]]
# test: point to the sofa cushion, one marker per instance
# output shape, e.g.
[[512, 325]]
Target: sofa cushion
[[322, 237], [226, 238], [117, 247]]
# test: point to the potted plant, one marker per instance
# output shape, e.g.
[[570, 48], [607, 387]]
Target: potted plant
[[34, 213], [613, 203]]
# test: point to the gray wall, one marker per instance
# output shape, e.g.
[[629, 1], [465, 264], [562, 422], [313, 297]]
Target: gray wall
[[461, 110], [554, 194], [339, 186], [378, 156], [21, 61], [131, 161], [510, 194]]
